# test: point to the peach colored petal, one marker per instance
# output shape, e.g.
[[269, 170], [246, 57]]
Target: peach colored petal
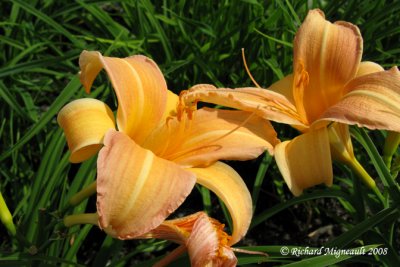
[[305, 161], [284, 87], [326, 57], [85, 122], [372, 101], [226, 183], [139, 85], [265, 103], [136, 190], [171, 107], [212, 135], [367, 67]]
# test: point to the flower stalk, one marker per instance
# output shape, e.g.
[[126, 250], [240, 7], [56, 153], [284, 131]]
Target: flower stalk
[[6, 217], [365, 177], [84, 218], [83, 194]]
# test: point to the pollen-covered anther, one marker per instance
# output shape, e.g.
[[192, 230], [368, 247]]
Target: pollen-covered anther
[[180, 109], [185, 106]]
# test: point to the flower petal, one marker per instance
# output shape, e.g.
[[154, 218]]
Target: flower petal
[[305, 161], [265, 103], [326, 57], [136, 190], [85, 122], [284, 87], [372, 101], [139, 85], [226, 183], [211, 135], [367, 67], [171, 107]]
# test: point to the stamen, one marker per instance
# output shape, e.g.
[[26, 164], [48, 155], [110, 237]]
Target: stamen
[[180, 109], [248, 71], [210, 144], [183, 107]]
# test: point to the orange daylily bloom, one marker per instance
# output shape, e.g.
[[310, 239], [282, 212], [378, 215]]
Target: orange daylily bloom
[[148, 160], [329, 84]]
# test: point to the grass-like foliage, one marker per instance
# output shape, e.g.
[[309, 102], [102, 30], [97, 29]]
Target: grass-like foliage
[[193, 42]]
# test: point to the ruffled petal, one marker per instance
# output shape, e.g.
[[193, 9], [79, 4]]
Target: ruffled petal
[[85, 122], [226, 183], [265, 103], [326, 57], [211, 135], [139, 85], [136, 190], [372, 101], [305, 161]]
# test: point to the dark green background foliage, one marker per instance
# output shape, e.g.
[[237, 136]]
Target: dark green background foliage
[[193, 42]]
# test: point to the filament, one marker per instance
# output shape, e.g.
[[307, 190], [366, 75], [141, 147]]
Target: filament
[[248, 71]]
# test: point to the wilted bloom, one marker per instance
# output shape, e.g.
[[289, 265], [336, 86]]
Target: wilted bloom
[[148, 166], [329, 84], [201, 236]]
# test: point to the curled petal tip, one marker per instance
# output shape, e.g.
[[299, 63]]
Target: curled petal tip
[[85, 122]]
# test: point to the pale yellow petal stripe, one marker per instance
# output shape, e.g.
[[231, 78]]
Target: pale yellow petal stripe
[[136, 190], [226, 183], [85, 122], [372, 101], [305, 161], [139, 85]]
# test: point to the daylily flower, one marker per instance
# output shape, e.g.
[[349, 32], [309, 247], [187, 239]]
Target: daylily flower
[[203, 237], [148, 166], [329, 84]]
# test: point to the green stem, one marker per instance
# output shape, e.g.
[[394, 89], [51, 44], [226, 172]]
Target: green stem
[[83, 194], [84, 218], [365, 177], [6, 217]]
